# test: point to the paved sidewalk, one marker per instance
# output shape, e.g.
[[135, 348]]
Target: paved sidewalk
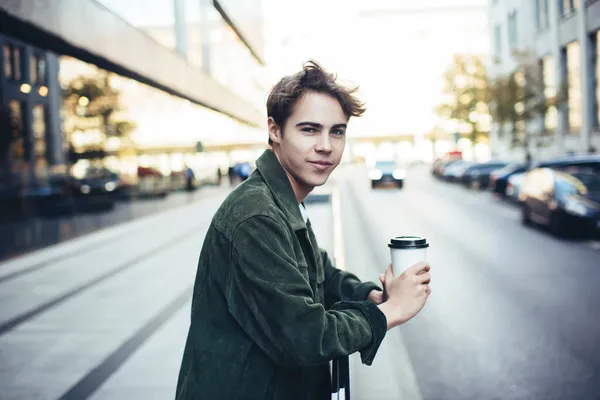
[[105, 316]]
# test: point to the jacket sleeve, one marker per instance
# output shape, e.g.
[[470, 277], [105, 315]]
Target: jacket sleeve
[[343, 286], [271, 299]]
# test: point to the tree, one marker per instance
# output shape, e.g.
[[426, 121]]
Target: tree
[[466, 92], [522, 100], [88, 98]]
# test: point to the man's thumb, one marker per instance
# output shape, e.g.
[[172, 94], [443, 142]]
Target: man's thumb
[[389, 273]]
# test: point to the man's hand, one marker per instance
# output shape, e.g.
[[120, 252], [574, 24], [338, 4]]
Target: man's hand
[[406, 294], [376, 296]]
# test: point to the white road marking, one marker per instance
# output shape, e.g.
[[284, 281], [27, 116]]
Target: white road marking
[[594, 244]]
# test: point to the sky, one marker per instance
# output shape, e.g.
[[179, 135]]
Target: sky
[[395, 50]]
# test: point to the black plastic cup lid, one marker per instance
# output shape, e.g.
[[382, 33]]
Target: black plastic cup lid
[[408, 242]]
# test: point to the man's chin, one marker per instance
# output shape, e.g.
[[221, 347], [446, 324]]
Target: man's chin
[[319, 181]]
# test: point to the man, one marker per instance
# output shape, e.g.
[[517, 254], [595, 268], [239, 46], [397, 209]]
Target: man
[[269, 309]]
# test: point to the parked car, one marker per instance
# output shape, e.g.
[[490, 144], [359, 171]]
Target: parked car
[[440, 165], [94, 187], [582, 160], [445, 160], [152, 183], [565, 199], [453, 171], [387, 171], [513, 187], [499, 178], [478, 175]]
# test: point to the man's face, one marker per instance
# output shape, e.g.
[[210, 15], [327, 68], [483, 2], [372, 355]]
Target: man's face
[[313, 139]]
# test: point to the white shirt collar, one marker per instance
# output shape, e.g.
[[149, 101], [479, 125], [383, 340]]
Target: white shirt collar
[[304, 213]]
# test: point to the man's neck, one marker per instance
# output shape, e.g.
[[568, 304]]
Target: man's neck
[[301, 191]]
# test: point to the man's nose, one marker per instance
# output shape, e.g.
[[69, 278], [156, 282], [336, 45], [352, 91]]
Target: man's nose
[[324, 144]]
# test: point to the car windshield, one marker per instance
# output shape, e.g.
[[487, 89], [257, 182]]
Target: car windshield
[[512, 168], [578, 181], [386, 165]]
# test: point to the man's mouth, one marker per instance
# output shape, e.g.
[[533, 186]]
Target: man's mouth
[[321, 164]]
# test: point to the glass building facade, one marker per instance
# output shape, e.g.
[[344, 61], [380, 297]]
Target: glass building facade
[[66, 122]]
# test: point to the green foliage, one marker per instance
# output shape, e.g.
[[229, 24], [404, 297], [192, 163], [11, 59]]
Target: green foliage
[[466, 92], [94, 97]]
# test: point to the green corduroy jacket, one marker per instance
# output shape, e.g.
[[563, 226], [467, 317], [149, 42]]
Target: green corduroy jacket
[[269, 309]]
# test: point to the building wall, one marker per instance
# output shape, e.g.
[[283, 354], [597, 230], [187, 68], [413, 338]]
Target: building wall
[[30, 102], [158, 62], [551, 39], [209, 35], [101, 33]]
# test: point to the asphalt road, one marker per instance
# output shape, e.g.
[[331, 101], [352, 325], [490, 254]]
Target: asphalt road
[[514, 312]]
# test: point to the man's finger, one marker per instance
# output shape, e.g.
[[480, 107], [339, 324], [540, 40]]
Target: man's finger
[[425, 277], [420, 267], [389, 273], [427, 289], [382, 278]]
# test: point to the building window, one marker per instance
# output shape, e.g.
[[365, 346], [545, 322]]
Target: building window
[[550, 91], [41, 71], [16, 58], [33, 73], [596, 40], [574, 86], [37, 70], [7, 59], [498, 41], [17, 138], [568, 7], [512, 30], [542, 14], [12, 62], [39, 136]]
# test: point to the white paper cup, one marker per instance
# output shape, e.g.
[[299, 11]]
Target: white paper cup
[[406, 251]]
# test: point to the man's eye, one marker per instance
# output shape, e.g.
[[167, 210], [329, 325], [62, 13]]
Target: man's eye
[[338, 132], [310, 130]]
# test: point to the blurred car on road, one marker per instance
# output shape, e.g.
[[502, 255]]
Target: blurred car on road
[[151, 183], [499, 179], [440, 165], [453, 171], [565, 198], [94, 186], [387, 172], [478, 175], [513, 187]]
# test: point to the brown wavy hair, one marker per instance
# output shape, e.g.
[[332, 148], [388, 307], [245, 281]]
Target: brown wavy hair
[[313, 78]]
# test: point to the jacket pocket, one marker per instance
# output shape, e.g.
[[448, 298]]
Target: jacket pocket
[[255, 374]]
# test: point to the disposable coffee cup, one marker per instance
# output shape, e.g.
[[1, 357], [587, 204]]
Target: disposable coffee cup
[[406, 251]]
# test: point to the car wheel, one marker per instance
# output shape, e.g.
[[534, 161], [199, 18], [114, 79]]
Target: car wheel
[[400, 184], [373, 185], [525, 215]]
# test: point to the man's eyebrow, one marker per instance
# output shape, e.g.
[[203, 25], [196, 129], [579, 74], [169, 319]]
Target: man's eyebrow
[[317, 125], [308, 123], [339, 126]]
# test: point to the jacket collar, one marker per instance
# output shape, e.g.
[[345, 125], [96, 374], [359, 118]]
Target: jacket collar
[[279, 184]]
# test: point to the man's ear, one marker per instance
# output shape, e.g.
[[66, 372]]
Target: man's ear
[[274, 130]]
